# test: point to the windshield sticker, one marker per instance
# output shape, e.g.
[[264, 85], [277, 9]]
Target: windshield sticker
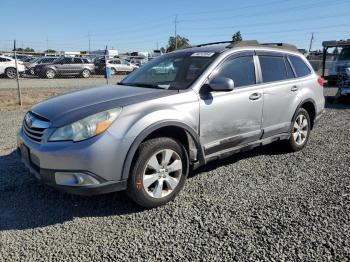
[[203, 54]]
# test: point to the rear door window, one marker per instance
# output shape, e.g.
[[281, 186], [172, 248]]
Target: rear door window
[[67, 60], [300, 68], [77, 61], [273, 68]]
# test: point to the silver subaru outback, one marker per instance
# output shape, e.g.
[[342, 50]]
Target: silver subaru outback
[[175, 113]]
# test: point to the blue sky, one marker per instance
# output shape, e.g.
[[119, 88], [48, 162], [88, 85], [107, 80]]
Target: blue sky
[[143, 25]]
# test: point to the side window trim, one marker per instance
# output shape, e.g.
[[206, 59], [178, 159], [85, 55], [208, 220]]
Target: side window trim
[[291, 66]]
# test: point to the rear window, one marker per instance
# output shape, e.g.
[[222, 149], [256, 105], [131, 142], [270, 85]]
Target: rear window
[[273, 68], [300, 68]]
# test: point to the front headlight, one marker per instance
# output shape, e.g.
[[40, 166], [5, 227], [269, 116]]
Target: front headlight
[[87, 127]]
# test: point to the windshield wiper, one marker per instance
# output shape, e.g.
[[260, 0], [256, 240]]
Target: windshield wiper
[[145, 85]]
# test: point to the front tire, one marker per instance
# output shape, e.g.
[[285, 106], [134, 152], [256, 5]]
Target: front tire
[[86, 73], [159, 172], [50, 74], [300, 131], [114, 71]]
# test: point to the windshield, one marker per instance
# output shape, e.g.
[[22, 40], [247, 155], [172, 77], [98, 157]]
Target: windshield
[[344, 54], [172, 71]]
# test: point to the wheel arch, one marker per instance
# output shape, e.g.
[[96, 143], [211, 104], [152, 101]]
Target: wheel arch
[[180, 131], [310, 106]]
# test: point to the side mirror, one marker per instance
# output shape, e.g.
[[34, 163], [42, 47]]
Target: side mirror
[[221, 84]]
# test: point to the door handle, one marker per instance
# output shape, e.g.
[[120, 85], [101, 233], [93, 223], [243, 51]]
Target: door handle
[[255, 96], [294, 88]]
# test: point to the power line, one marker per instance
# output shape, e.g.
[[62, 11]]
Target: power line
[[314, 5]]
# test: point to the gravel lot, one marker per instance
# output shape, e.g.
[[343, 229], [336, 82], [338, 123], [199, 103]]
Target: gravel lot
[[260, 205]]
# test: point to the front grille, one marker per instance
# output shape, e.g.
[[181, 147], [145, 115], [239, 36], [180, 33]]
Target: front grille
[[35, 130]]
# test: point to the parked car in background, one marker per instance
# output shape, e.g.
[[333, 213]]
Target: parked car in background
[[30, 65], [8, 67], [139, 61], [147, 132], [65, 66], [121, 65], [117, 65], [342, 61]]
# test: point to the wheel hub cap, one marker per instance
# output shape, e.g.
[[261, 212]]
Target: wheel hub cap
[[162, 173]]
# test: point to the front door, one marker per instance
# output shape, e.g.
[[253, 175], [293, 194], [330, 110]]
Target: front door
[[230, 119]]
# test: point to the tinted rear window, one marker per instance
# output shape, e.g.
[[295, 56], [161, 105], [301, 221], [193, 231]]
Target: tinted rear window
[[300, 68], [273, 68]]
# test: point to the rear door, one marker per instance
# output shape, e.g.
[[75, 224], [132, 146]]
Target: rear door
[[63, 68], [230, 119], [279, 89], [77, 66]]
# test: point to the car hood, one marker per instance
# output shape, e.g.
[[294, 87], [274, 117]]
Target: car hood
[[68, 108]]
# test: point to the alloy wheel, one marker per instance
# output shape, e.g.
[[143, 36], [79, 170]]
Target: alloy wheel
[[11, 73], [162, 173], [300, 129]]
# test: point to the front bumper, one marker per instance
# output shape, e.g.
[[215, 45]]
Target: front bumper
[[90, 158], [47, 177]]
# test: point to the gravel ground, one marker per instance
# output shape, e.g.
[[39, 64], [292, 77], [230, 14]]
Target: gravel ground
[[260, 205]]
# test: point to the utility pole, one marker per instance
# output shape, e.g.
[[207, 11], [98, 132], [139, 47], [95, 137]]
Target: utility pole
[[17, 74], [89, 43], [311, 40], [47, 43], [175, 21]]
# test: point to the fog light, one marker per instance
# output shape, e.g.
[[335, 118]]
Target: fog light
[[75, 179]]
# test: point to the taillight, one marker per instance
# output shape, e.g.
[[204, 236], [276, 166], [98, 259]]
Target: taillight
[[320, 81]]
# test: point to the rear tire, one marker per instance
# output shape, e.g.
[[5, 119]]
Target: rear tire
[[300, 131], [158, 173], [11, 72], [86, 73], [114, 71]]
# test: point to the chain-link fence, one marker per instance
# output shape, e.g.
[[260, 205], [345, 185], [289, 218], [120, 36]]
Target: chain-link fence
[[41, 75]]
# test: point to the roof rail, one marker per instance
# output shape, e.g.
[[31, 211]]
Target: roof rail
[[252, 43], [213, 43], [282, 46], [243, 43]]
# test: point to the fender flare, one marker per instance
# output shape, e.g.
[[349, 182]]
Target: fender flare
[[140, 138]]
